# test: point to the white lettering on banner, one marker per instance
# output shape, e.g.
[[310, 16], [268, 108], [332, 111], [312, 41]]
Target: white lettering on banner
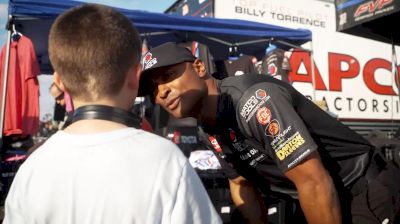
[[353, 74]]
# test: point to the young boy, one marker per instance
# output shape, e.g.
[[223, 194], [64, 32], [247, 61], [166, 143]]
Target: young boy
[[99, 170]]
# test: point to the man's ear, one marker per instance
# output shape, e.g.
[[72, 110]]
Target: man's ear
[[200, 67], [58, 82], [133, 76]]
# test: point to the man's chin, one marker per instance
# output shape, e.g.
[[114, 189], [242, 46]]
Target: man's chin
[[177, 115]]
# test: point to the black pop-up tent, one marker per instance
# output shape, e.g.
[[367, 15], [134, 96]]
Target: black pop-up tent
[[33, 18]]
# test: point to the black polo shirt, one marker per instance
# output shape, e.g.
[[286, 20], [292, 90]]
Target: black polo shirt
[[266, 128]]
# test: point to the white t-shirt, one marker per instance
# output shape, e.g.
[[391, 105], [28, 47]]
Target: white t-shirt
[[123, 176]]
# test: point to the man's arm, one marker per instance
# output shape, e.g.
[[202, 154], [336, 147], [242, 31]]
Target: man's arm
[[248, 200], [317, 193]]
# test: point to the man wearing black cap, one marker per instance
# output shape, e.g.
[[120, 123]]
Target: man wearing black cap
[[273, 134]]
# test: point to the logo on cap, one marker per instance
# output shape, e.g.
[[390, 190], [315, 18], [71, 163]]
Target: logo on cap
[[149, 61], [272, 69]]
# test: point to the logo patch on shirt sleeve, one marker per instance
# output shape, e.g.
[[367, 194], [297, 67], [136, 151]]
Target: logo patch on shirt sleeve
[[253, 104], [263, 115], [273, 128], [261, 94], [291, 145]]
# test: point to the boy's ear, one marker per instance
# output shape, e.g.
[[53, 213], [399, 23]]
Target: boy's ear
[[200, 67], [58, 82], [134, 76]]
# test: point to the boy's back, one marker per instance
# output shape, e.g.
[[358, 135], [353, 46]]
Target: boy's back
[[122, 176], [98, 170]]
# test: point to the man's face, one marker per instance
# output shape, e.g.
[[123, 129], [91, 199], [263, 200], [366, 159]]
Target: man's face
[[179, 89]]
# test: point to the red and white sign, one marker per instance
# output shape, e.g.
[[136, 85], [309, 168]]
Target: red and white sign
[[353, 74]]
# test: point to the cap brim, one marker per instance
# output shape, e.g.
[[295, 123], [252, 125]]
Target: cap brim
[[145, 87]]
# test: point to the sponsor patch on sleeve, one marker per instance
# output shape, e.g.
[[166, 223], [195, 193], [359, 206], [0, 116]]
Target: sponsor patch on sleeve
[[254, 103], [291, 145], [263, 115], [261, 94], [273, 128]]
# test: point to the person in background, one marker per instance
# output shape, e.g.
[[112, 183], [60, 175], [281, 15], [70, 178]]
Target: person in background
[[98, 169], [57, 94], [278, 141], [64, 105]]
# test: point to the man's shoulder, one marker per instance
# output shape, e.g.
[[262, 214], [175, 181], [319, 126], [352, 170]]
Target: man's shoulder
[[238, 85]]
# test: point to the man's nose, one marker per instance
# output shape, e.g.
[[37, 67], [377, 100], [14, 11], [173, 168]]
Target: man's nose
[[163, 91]]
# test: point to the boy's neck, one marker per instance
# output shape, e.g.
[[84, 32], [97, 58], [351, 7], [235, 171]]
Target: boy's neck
[[106, 102], [92, 126]]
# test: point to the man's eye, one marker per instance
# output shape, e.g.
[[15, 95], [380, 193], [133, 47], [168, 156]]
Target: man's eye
[[167, 76]]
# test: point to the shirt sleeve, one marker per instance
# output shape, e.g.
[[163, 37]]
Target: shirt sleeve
[[266, 113], [192, 204]]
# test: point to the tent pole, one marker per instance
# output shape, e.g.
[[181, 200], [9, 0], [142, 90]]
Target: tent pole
[[313, 71], [217, 40], [395, 71], [291, 45], [5, 79]]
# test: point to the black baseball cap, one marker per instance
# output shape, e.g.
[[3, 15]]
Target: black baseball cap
[[166, 54]]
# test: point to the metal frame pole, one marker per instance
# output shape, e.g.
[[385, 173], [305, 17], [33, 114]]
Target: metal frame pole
[[313, 72], [5, 80]]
